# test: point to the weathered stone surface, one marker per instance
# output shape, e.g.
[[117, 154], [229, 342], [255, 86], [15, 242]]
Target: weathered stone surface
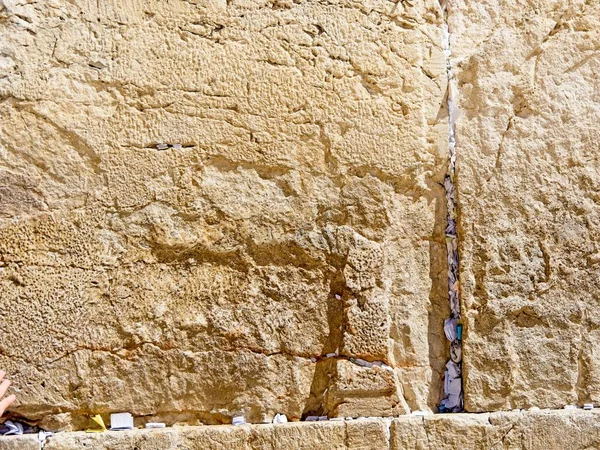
[[29, 442], [360, 391], [308, 435], [529, 178], [542, 430], [194, 282], [499, 431]]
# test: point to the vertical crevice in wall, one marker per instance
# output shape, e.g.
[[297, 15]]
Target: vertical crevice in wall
[[326, 368], [453, 386]]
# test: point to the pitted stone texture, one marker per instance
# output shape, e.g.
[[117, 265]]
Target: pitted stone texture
[[543, 430], [198, 281], [24, 442], [363, 435], [357, 391], [529, 206]]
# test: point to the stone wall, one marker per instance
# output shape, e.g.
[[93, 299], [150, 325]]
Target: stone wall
[[202, 199], [542, 430], [212, 207], [529, 183]]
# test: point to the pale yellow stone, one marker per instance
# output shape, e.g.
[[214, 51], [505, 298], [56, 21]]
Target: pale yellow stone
[[24, 442], [195, 282], [528, 177], [305, 436], [368, 434], [357, 391], [542, 430]]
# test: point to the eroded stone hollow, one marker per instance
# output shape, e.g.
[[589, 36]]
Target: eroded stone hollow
[[200, 200]]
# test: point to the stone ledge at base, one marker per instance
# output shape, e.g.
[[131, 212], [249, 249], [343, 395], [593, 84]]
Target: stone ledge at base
[[529, 430]]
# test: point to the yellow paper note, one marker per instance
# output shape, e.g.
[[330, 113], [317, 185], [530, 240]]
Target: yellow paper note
[[98, 419]]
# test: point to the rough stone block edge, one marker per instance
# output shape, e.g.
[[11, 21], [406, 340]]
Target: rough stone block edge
[[470, 431]]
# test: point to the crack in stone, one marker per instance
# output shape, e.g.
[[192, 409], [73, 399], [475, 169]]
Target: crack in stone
[[450, 403], [426, 433], [388, 433]]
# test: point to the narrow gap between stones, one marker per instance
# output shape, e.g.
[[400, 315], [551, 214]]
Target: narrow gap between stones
[[453, 387]]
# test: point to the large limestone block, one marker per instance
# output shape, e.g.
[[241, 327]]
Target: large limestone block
[[529, 178], [24, 442], [542, 430], [363, 435], [293, 211], [460, 431], [360, 391], [556, 429]]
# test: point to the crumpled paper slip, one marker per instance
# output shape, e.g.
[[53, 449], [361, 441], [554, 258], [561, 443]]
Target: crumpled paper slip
[[452, 387], [454, 304], [453, 259], [238, 420], [451, 280], [43, 435], [454, 373], [453, 265], [280, 418], [452, 402], [450, 329], [382, 365], [452, 91], [448, 184], [10, 428], [15, 428], [451, 228], [361, 362], [456, 352], [98, 420], [455, 113]]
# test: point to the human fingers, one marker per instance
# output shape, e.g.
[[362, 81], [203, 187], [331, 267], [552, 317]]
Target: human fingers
[[4, 387], [5, 403]]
